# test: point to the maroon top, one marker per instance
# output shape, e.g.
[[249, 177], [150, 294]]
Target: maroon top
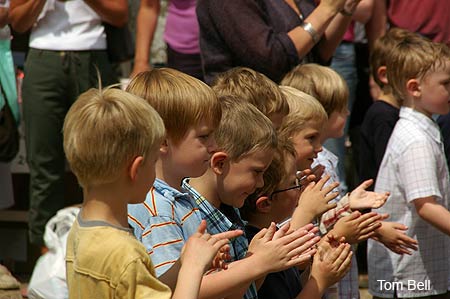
[[430, 18]]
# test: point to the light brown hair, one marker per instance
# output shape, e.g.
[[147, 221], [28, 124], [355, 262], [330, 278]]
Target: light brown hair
[[182, 101], [323, 83], [253, 87], [413, 58], [243, 129], [382, 48], [104, 130], [304, 110]]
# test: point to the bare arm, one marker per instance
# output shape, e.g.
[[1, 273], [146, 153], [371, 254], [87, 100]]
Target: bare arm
[[320, 19], [393, 236], [363, 11], [433, 213], [147, 20], [376, 27], [112, 12], [23, 13], [336, 30]]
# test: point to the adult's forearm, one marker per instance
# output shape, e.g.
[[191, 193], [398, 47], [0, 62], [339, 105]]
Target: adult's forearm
[[112, 12], [146, 23], [319, 19], [376, 26], [363, 11], [333, 36], [23, 13]]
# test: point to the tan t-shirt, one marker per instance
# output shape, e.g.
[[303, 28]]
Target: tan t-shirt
[[104, 261]]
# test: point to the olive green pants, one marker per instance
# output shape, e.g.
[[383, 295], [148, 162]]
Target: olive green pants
[[53, 81]]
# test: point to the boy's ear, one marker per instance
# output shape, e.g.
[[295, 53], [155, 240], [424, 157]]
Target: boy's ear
[[164, 148], [134, 168], [381, 72], [413, 88], [263, 204], [218, 161]]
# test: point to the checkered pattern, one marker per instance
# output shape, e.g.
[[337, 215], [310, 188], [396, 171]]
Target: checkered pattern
[[413, 167], [218, 223]]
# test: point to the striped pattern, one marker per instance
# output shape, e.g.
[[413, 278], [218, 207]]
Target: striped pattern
[[163, 223]]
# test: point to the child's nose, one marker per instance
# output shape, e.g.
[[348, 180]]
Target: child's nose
[[212, 145], [260, 182]]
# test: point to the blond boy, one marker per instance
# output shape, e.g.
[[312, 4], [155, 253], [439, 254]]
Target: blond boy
[[255, 88], [246, 141], [303, 127], [190, 111], [376, 130], [103, 258], [415, 171], [276, 201]]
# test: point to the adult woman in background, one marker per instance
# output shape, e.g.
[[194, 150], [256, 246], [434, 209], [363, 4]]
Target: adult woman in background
[[270, 36], [180, 34]]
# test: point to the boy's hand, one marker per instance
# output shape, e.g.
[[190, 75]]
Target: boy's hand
[[201, 248], [393, 236], [305, 177], [330, 264], [283, 249], [356, 227], [360, 199], [220, 261], [314, 199]]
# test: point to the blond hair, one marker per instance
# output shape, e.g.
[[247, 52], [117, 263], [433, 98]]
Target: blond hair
[[253, 87], [323, 83], [304, 110], [182, 101], [104, 130], [243, 129], [382, 48], [413, 58]]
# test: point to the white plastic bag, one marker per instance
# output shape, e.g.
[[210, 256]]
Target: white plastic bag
[[48, 280]]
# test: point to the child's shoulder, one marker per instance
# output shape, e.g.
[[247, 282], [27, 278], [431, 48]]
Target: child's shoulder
[[161, 200], [104, 242]]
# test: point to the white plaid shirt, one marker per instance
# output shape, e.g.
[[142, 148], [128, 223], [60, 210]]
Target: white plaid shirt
[[414, 166]]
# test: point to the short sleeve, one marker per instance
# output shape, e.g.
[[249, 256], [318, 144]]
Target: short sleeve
[[138, 282], [163, 239], [418, 171]]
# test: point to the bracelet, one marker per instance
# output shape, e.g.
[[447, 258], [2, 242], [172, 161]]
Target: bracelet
[[346, 13], [312, 32]]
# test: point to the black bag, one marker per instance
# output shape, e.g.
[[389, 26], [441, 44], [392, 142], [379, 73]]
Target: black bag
[[9, 135], [119, 43]]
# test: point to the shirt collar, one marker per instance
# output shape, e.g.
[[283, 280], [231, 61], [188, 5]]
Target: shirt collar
[[428, 125], [168, 191]]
